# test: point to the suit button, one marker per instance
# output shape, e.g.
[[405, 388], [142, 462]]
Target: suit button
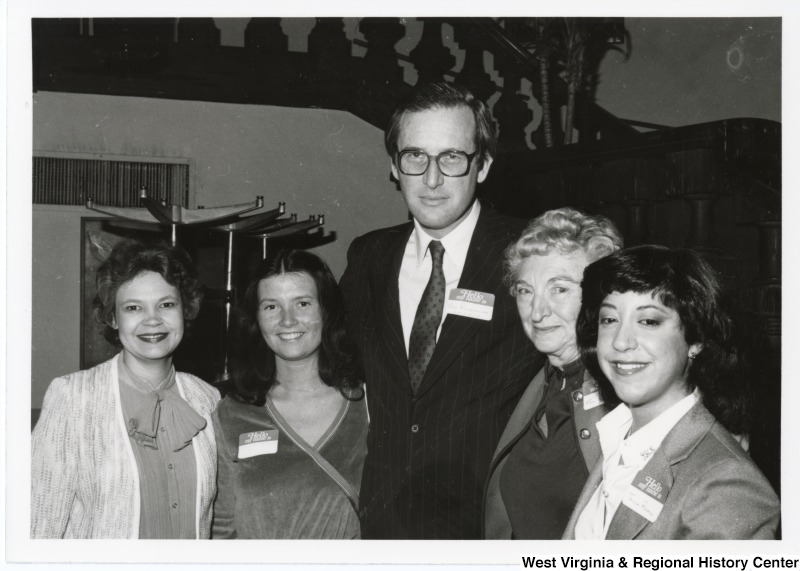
[[415, 428], [585, 433], [577, 396]]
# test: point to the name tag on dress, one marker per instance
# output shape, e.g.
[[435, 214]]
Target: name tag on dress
[[646, 497], [470, 303], [258, 443]]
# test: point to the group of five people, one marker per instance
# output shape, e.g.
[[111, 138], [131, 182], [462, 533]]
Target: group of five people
[[417, 399]]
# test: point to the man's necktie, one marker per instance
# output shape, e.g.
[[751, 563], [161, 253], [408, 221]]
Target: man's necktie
[[427, 319]]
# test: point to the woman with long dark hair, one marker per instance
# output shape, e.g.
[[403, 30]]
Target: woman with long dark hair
[[291, 436], [656, 333]]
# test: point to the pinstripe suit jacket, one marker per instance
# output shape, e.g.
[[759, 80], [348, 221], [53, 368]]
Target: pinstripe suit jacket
[[429, 453]]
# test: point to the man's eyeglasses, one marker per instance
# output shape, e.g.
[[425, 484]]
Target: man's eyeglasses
[[450, 163]]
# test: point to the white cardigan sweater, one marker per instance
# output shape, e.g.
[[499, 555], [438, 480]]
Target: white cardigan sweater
[[84, 478]]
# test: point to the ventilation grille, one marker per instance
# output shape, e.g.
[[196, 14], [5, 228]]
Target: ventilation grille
[[71, 181]]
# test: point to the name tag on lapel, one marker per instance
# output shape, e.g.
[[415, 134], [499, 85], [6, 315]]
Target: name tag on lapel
[[591, 392], [470, 303], [646, 497], [592, 398], [258, 443]]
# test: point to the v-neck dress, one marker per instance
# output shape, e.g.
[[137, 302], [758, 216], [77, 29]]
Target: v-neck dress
[[269, 491]]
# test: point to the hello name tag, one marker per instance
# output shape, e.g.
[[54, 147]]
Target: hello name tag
[[470, 303], [592, 399], [645, 497], [258, 443]]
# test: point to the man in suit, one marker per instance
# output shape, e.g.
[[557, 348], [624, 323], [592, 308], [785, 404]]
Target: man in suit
[[445, 357]]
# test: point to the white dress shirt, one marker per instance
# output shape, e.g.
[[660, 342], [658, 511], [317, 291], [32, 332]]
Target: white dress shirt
[[415, 270], [623, 458]]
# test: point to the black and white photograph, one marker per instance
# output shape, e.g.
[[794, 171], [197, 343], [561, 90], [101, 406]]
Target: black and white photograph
[[437, 283]]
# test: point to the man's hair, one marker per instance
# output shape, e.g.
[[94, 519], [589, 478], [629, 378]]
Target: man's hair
[[565, 230], [443, 95]]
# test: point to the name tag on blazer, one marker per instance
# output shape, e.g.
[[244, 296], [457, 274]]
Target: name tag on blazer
[[258, 443], [470, 303], [646, 497], [591, 397]]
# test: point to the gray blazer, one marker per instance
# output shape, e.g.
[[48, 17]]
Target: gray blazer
[[710, 487], [496, 524]]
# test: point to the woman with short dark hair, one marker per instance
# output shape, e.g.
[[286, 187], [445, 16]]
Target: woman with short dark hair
[[291, 436], [656, 333], [126, 449]]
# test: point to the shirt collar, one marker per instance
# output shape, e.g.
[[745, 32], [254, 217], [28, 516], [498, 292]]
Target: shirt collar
[[637, 448], [570, 374], [456, 243]]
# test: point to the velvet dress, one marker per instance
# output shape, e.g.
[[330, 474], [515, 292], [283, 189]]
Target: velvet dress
[[273, 485]]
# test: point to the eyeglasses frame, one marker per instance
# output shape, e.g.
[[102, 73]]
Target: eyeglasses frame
[[470, 157]]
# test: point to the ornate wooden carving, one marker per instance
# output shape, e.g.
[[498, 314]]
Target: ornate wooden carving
[[380, 62], [331, 68], [473, 75], [381, 81], [265, 36], [430, 57], [327, 41], [511, 110]]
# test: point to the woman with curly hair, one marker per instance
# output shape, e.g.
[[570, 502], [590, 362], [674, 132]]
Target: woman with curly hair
[[291, 436], [550, 443], [126, 449], [656, 333]]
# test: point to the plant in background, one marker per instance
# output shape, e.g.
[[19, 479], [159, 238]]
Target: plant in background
[[571, 48]]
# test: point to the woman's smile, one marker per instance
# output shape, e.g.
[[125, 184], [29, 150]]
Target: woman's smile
[[289, 336], [152, 337], [628, 368]]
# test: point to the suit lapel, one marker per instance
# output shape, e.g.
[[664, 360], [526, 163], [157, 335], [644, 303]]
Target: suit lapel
[[627, 522], [676, 447], [523, 412], [387, 305], [482, 272], [588, 418]]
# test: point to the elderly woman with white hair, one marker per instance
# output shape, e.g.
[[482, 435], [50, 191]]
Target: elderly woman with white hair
[[550, 443]]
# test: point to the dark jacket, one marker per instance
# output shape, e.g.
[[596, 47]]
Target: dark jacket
[[495, 518], [429, 453]]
